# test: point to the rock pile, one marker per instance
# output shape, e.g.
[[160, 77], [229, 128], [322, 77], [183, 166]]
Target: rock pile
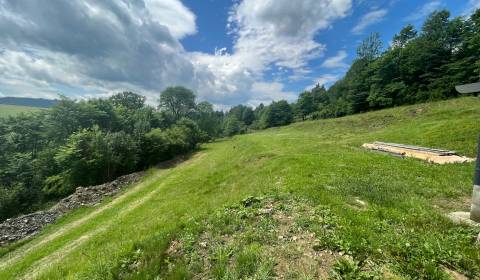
[[18, 228], [87, 196]]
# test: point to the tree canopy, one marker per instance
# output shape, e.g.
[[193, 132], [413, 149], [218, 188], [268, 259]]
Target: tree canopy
[[419, 66], [46, 155], [177, 101]]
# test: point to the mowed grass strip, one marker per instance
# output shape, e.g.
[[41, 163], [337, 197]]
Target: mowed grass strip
[[402, 225]]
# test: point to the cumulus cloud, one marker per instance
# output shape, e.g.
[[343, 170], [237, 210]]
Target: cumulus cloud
[[369, 19], [423, 11], [93, 45], [270, 33], [94, 48], [281, 33], [173, 14], [337, 61], [264, 92]]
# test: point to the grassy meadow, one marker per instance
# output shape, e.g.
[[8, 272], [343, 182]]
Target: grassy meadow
[[12, 110], [298, 202]]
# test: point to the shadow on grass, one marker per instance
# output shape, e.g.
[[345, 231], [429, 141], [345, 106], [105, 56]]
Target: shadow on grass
[[174, 162], [168, 164]]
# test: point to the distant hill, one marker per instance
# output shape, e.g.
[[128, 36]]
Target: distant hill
[[30, 102], [12, 110]]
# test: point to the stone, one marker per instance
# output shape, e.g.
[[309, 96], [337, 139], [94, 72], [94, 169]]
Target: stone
[[462, 218]]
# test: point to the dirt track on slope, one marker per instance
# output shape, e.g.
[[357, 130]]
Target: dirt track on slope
[[16, 255], [45, 262], [53, 258]]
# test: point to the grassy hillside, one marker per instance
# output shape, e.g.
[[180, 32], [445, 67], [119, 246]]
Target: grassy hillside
[[357, 212], [11, 110]]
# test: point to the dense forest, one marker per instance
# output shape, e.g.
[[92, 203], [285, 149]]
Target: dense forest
[[419, 66], [45, 155]]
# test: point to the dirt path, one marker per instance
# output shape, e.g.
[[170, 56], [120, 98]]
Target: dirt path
[[18, 254], [47, 261], [53, 258]]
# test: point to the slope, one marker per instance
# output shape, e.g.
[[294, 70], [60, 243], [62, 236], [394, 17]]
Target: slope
[[397, 228]]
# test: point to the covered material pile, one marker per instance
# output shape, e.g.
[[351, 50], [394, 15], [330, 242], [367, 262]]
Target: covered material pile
[[427, 154]]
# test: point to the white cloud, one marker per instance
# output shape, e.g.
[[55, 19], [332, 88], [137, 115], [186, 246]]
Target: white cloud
[[337, 61], [369, 19], [269, 33], [325, 79], [92, 47], [95, 48], [264, 92], [472, 6], [281, 33], [173, 14], [423, 11]]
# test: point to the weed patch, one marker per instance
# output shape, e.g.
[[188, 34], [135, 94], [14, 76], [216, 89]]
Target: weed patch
[[259, 238]]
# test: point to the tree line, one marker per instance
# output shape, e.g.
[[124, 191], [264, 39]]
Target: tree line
[[419, 66], [45, 155]]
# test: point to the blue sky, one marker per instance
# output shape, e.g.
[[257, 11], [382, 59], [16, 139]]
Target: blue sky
[[340, 39], [227, 51]]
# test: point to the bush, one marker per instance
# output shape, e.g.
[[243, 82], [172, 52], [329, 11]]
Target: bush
[[277, 114], [159, 145], [9, 201], [91, 157], [55, 186]]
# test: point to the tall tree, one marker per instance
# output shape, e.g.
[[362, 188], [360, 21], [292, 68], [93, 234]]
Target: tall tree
[[177, 101], [435, 27], [370, 48], [406, 35], [305, 105], [248, 116], [207, 119], [277, 114], [232, 126], [129, 100]]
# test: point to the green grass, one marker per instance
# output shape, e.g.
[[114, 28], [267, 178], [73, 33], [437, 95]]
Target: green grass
[[402, 228], [12, 110]]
